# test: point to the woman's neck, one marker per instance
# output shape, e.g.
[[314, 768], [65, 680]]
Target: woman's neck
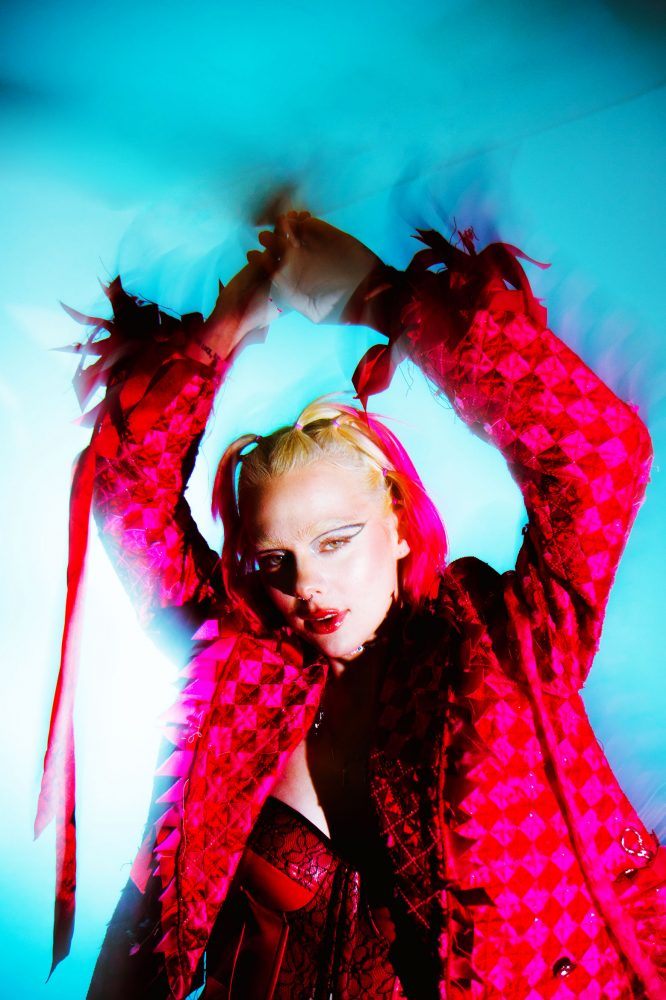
[[371, 652]]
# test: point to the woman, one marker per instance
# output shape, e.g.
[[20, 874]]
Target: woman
[[382, 779]]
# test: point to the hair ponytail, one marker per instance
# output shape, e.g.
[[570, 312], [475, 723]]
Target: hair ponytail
[[224, 507]]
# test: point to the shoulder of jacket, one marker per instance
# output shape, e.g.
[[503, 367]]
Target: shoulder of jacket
[[232, 632]]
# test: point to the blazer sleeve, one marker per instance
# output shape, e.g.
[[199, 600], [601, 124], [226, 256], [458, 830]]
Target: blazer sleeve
[[146, 436], [580, 455]]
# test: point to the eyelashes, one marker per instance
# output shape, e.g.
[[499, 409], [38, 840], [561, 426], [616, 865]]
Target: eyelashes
[[272, 562], [331, 544]]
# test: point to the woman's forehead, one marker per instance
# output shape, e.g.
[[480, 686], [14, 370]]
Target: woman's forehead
[[305, 502]]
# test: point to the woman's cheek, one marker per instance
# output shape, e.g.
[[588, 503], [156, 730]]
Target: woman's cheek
[[283, 604]]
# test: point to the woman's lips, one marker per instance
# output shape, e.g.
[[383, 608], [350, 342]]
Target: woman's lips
[[324, 622]]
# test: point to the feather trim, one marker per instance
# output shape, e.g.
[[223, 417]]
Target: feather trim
[[471, 281]]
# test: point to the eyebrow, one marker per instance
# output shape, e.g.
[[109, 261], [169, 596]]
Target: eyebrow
[[329, 531]]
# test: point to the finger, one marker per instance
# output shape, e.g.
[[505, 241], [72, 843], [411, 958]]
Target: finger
[[297, 214], [285, 228], [266, 236], [272, 241], [265, 262], [308, 224], [256, 257]]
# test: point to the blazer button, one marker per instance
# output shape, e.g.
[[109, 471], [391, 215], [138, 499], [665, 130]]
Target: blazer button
[[563, 967]]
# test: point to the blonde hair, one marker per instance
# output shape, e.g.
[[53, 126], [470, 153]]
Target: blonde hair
[[350, 437]]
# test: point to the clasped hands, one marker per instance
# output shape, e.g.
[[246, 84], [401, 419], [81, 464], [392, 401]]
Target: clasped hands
[[306, 265]]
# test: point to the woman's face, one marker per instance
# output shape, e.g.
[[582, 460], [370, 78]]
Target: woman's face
[[328, 552]]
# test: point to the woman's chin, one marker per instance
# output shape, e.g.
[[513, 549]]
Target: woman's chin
[[335, 646], [341, 647]]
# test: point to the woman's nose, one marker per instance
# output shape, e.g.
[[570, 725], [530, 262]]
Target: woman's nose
[[308, 581]]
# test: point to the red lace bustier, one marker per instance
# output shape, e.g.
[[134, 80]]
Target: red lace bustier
[[298, 922]]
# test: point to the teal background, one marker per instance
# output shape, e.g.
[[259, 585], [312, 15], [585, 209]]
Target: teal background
[[139, 139]]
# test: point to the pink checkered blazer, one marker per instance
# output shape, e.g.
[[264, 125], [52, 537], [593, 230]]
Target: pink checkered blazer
[[519, 867]]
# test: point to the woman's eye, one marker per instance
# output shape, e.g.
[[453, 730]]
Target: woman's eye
[[331, 544], [334, 542], [271, 563]]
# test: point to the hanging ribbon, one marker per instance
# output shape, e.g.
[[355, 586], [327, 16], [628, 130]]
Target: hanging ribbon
[[57, 793]]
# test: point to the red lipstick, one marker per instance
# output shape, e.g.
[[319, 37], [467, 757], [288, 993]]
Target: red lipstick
[[324, 621]]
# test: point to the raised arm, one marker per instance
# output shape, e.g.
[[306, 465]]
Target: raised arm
[[144, 445], [579, 454], [162, 375]]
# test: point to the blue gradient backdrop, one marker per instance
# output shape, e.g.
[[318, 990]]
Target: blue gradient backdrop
[[138, 138]]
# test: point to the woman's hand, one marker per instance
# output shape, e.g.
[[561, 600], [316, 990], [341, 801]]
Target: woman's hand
[[319, 267], [244, 309]]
